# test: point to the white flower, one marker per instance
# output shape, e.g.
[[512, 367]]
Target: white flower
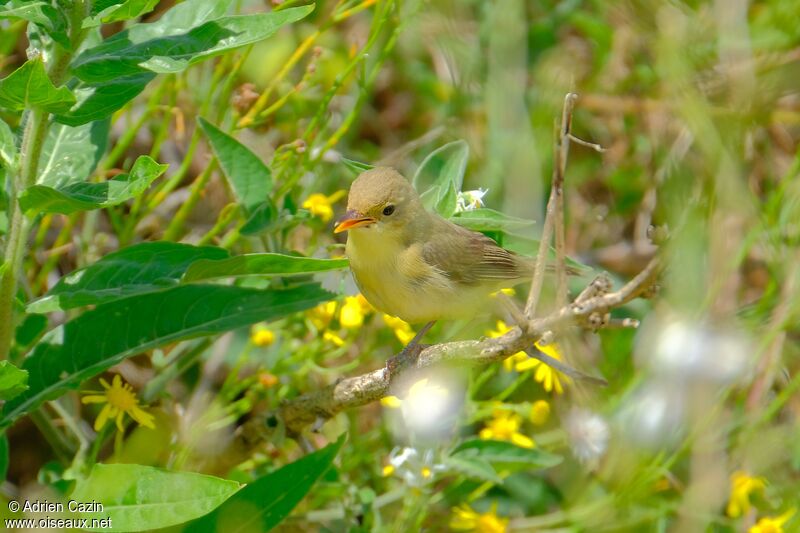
[[412, 467], [469, 200]]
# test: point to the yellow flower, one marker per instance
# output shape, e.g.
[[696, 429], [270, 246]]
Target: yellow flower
[[262, 336], [402, 330], [540, 411], [466, 519], [320, 205], [119, 399], [333, 338], [267, 379], [426, 472], [387, 471], [322, 314], [505, 426], [353, 310], [772, 525], [549, 378], [742, 485], [392, 402]]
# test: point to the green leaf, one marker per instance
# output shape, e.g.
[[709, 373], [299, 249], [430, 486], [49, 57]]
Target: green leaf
[[70, 155], [31, 328], [250, 178], [262, 218], [48, 18], [484, 219], [13, 381], [439, 178], [129, 9], [356, 166], [260, 265], [474, 467], [264, 503], [137, 269], [128, 52], [143, 498], [86, 196], [8, 146], [95, 102], [504, 454], [106, 335], [29, 87]]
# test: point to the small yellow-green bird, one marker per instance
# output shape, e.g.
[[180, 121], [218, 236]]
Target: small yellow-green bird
[[414, 264]]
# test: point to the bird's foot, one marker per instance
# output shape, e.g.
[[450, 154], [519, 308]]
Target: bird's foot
[[407, 358]]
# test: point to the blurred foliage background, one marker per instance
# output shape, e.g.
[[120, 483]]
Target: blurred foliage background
[[697, 107]]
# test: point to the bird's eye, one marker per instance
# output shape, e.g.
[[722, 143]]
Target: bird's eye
[[388, 210]]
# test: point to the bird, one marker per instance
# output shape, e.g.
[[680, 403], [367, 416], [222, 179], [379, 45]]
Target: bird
[[415, 265]]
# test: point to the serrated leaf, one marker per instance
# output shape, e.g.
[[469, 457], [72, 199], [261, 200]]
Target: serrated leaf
[[29, 87], [70, 154], [87, 196], [260, 265], [106, 335], [96, 102], [137, 269], [13, 381], [264, 503], [440, 174], [127, 52], [8, 146], [484, 219], [139, 498], [505, 454], [249, 177]]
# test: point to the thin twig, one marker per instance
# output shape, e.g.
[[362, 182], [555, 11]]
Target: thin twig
[[551, 217]]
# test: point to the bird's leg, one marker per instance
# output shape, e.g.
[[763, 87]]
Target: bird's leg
[[411, 351], [565, 369]]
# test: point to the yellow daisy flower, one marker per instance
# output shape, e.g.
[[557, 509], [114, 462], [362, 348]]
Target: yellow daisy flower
[[119, 399], [550, 378], [505, 426], [742, 485], [353, 311], [321, 205], [262, 336], [322, 314], [540, 412], [467, 519], [772, 525]]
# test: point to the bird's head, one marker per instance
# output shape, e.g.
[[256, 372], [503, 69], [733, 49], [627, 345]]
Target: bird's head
[[381, 200]]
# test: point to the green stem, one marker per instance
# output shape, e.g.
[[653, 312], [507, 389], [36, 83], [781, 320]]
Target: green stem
[[33, 139]]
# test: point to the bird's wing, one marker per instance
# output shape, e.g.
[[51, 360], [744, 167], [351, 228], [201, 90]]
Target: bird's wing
[[469, 257]]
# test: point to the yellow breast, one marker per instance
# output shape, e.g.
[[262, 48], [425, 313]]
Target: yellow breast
[[396, 280]]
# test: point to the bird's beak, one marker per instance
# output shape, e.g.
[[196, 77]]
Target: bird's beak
[[352, 219]]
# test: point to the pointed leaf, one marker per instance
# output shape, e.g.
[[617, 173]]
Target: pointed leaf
[[129, 9], [139, 498], [128, 52], [260, 265], [95, 102], [441, 173], [484, 219], [250, 178], [505, 454], [356, 166], [264, 503], [474, 467], [107, 334], [86, 196], [29, 87], [137, 269]]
